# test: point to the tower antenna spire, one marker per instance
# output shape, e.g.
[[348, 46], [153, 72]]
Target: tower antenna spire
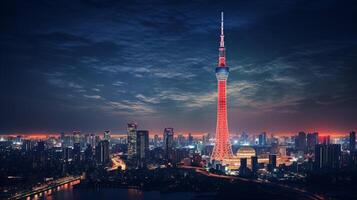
[[222, 23], [222, 59]]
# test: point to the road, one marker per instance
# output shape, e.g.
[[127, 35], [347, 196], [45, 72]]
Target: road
[[46, 187], [306, 194], [117, 162]]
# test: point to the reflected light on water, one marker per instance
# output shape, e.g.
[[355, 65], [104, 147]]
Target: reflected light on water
[[135, 194]]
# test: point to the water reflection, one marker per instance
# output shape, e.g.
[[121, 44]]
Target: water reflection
[[115, 194], [67, 192]]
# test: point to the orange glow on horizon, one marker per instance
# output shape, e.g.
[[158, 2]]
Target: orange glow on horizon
[[195, 134]]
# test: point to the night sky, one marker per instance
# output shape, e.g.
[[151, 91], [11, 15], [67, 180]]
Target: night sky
[[96, 65]]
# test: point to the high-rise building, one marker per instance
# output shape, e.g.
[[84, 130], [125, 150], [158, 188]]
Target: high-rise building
[[190, 139], [142, 142], [244, 138], [66, 154], [328, 156], [156, 140], [40, 157], [325, 139], [132, 127], [222, 148], [40, 146], [205, 138], [76, 152], [92, 141], [18, 139], [76, 136], [107, 135], [272, 162], [62, 137], [88, 153], [254, 163], [282, 151], [352, 141], [181, 141], [262, 139], [243, 163], [102, 152], [86, 139], [243, 169], [312, 140], [96, 139], [168, 143], [66, 140], [300, 141], [27, 145]]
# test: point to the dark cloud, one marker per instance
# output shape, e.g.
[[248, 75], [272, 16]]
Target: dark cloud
[[95, 65]]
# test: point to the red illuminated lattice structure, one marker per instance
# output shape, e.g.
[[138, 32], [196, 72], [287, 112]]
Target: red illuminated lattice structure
[[222, 149]]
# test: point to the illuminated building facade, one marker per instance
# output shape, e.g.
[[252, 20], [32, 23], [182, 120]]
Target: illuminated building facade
[[311, 141], [246, 152], [300, 141], [168, 142], [102, 152], [132, 127], [142, 146], [328, 156], [76, 136], [107, 135], [222, 149]]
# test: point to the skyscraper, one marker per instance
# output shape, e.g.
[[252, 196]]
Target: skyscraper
[[40, 154], [77, 152], [272, 162], [190, 139], [243, 163], [352, 141], [168, 142], [243, 170], [181, 141], [142, 147], [107, 135], [254, 163], [328, 156], [312, 140], [92, 141], [156, 140], [27, 145], [325, 139], [300, 141], [132, 127], [262, 139], [102, 152], [66, 154], [76, 136], [222, 149], [88, 153], [62, 137], [40, 146]]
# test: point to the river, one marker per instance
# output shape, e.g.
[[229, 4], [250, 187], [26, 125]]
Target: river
[[68, 193]]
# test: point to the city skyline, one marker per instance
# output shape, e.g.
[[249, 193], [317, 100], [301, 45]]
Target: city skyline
[[178, 100], [291, 67]]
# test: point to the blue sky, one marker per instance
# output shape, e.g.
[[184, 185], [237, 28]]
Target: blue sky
[[96, 65]]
